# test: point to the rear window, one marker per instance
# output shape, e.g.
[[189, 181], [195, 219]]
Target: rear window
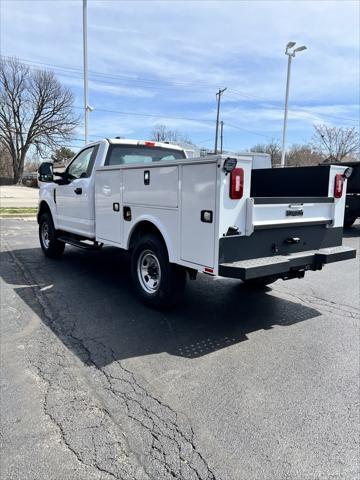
[[127, 154]]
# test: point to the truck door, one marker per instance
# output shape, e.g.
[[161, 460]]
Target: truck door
[[108, 206], [198, 194], [75, 199]]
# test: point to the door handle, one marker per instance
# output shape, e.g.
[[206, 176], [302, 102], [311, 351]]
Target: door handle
[[78, 191]]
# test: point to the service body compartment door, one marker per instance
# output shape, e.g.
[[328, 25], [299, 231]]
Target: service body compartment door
[[152, 186], [198, 191], [108, 207]]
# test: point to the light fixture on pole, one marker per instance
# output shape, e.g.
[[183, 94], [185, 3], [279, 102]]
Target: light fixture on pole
[[290, 52]]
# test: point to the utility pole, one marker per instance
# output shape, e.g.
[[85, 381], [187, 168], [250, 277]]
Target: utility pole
[[218, 96], [86, 92], [221, 136]]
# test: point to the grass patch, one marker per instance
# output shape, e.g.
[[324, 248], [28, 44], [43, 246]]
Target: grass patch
[[17, 211]]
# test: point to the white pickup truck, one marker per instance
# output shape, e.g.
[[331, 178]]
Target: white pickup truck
[[177, 215]]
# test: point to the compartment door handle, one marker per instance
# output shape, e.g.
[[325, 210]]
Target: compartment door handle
[[146, 177]]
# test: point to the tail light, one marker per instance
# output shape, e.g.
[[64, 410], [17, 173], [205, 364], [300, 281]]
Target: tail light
[[236, 183], [339, 183]]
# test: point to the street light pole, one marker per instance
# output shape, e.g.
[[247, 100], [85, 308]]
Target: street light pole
[[286, 111], [218, 96], [86, 92], [291, 54]]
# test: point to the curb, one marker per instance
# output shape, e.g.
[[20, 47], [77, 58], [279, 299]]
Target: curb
[[30, 216]]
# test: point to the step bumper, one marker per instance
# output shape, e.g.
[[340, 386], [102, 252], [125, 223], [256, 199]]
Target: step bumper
[[286, 266]]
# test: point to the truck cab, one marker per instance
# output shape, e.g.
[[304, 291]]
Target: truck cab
[[71, 196]]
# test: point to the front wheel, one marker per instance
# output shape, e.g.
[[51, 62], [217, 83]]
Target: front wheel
[[50, 245], [158, 282]]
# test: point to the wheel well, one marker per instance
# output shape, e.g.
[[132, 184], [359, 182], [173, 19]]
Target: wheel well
[[143, 228], [44, 207]]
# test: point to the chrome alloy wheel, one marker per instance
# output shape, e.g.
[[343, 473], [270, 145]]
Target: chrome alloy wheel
[[149, 271], [45, 235]]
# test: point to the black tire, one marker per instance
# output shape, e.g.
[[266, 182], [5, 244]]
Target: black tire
[[261, 282], [157, 282], [50, 245], [348, 221]]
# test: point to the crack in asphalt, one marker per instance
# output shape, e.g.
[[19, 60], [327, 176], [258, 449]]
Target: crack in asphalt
[[92, 405], [170, 447], [330, 306], [63, 433]]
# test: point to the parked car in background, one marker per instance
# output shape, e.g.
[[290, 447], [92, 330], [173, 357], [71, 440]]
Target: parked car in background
[[30, 180], [352, 205]]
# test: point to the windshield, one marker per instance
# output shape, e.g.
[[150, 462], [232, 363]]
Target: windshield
[[125, 154]]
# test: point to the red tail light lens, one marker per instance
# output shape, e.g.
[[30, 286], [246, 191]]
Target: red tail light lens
[[149, 144], [236, 183], [339, 183]]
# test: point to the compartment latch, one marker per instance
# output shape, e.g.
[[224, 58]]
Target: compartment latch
[[292, 240]]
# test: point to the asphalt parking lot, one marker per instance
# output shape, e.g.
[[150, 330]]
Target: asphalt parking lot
[[231, 385]]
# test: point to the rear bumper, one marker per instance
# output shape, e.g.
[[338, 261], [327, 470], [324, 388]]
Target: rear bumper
[[285, 266]]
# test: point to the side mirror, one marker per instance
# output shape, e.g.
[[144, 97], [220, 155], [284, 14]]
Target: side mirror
[[45, 172]]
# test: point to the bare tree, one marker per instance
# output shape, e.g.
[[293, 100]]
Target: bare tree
[[336, 143], [35, 111], [160, 133], [303, 155], [272, 148]]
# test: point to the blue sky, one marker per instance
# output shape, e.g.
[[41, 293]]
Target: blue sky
[[161, 62]]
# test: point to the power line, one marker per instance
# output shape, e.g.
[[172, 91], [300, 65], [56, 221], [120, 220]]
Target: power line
[[156, 85], [248, 131], [156, 115], [93, 138], [25, 132], [114, 76], [176, 118], [162, 116], [168, 117]]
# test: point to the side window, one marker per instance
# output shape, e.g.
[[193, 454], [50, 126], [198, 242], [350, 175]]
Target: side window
[[81, 166]]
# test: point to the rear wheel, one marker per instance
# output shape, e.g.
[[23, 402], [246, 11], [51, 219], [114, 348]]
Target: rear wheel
[[348, 221], [158, 282], [261, 282], [50, 245]]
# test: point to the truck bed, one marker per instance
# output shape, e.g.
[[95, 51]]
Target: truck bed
[[290, 182]]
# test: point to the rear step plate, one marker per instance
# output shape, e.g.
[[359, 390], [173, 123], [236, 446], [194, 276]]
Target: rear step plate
[[277, 264]]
